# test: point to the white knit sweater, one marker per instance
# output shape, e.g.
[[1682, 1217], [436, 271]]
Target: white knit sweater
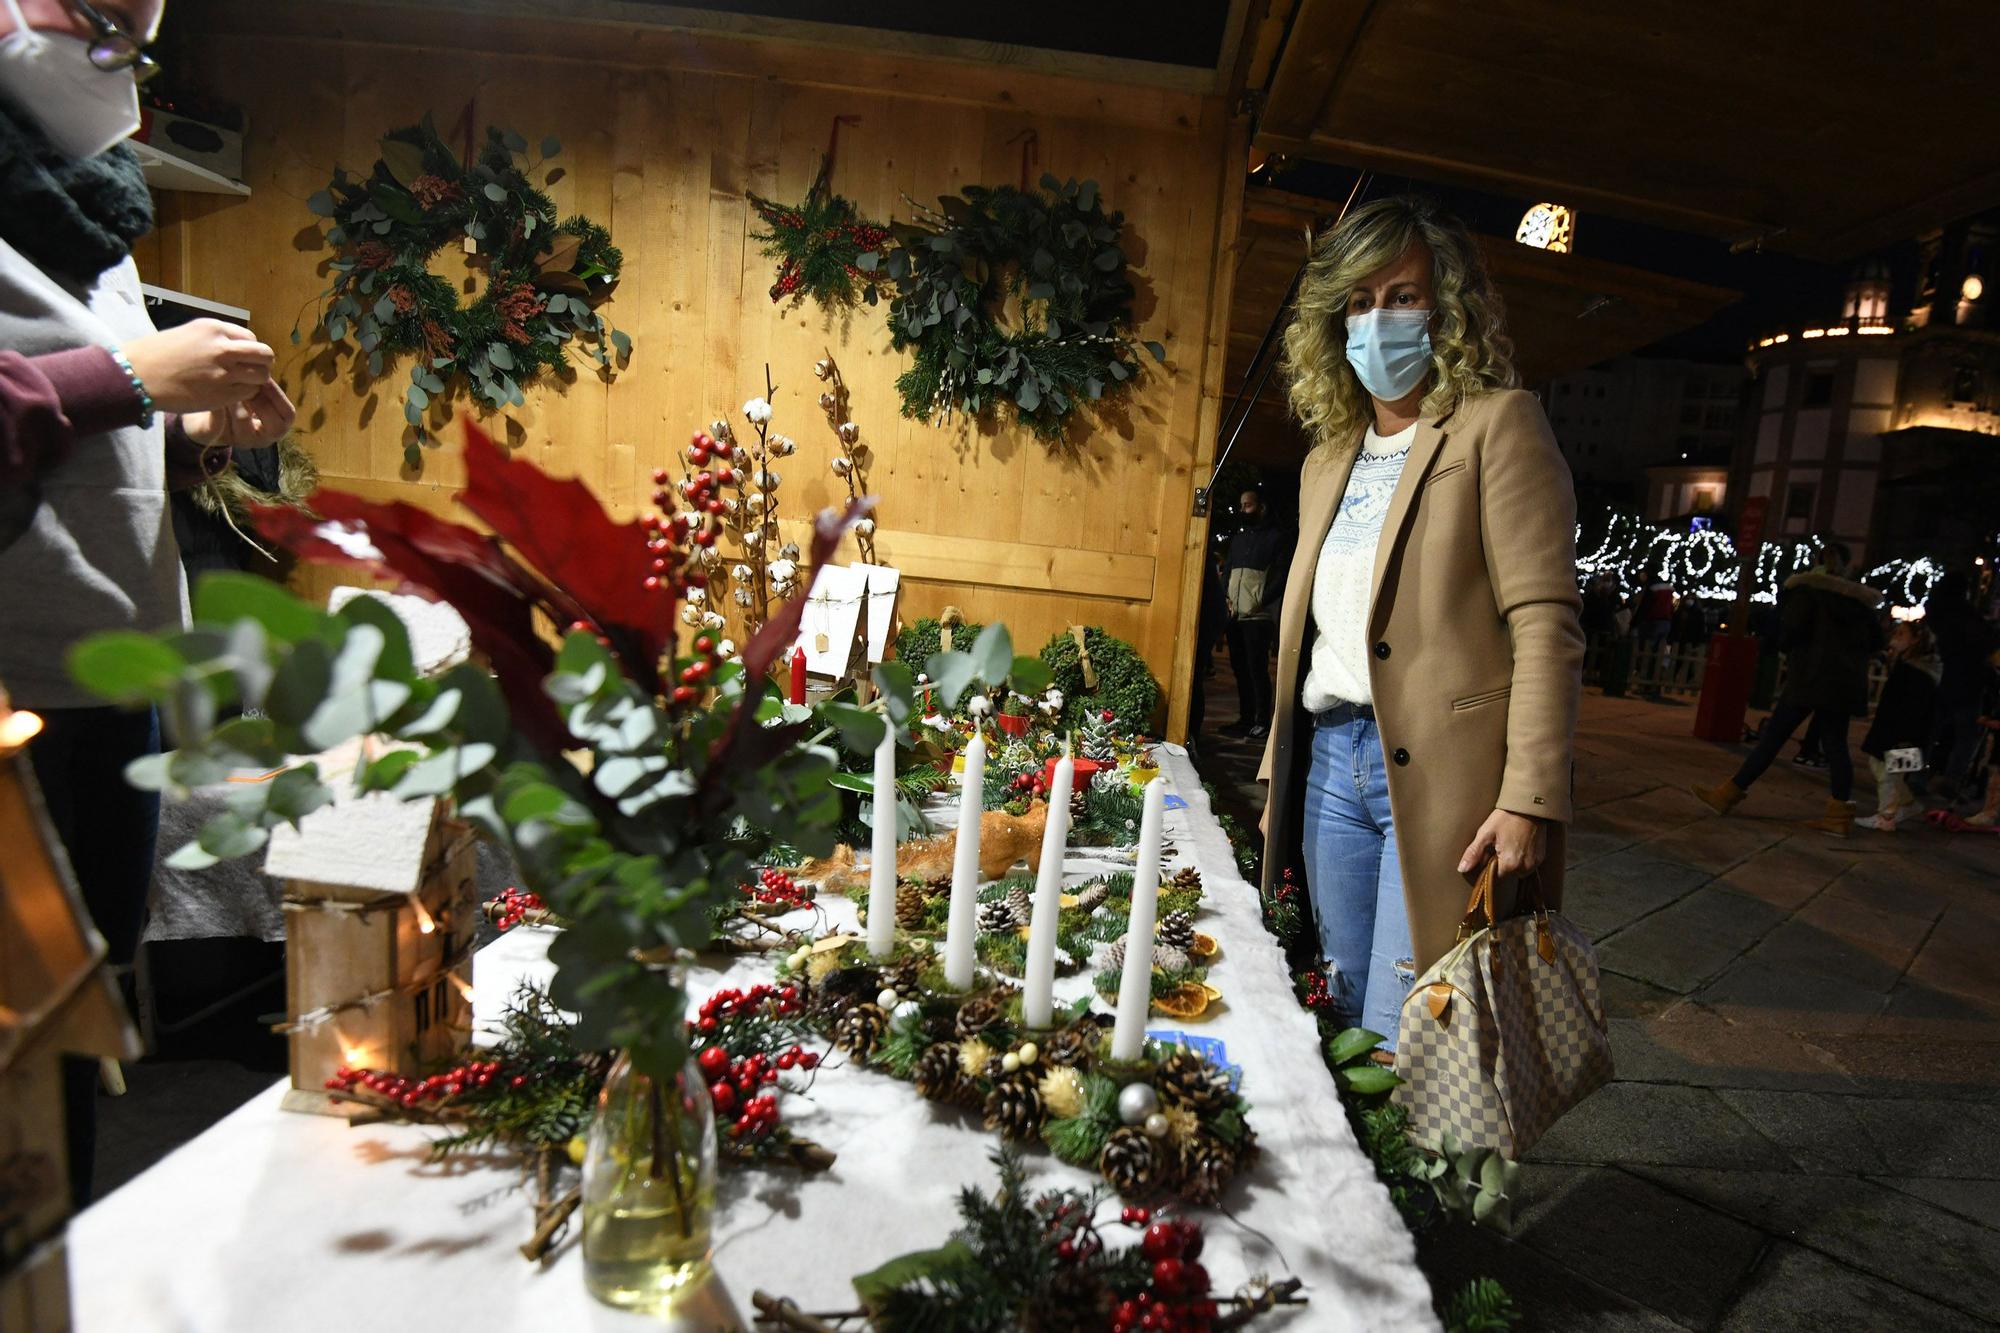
[[1344, 579]]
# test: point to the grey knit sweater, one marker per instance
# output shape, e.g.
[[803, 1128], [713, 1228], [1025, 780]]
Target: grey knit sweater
[[100, 552]]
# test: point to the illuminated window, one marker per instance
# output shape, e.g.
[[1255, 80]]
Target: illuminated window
[[1974, 288], [1548, 227]]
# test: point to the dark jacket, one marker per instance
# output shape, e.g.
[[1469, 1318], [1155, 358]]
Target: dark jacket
[[1829, 632], [1266, 548], [1903, 714]]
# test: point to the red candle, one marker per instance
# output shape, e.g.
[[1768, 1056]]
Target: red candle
[[798, 675]]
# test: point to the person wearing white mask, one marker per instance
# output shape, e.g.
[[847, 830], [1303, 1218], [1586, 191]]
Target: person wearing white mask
[[1429, 668], [99, 416]]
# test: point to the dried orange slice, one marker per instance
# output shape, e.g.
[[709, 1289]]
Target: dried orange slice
[[1188, 1000], [1204, 946]]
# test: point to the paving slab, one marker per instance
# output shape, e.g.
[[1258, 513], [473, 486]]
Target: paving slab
[[1694, 1045], [1657, 1124], [1691, 939], [1609, 1224], [1975, 1200], [1800, 1289], [1552, 1296], [1886, 1234]]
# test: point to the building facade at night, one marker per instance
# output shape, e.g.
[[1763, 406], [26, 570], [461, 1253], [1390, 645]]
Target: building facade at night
[[1618, 422], [1882, 429]]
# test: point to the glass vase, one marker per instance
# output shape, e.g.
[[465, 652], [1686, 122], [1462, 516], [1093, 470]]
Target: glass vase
[[648, 1188]]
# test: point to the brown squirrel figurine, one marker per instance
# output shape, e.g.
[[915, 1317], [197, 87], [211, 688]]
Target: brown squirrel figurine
[[1004, 840]]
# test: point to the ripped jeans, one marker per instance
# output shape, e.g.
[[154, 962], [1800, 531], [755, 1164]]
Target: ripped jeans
[[1353, 874]]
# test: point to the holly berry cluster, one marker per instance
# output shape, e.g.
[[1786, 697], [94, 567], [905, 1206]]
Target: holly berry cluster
[[1033, 784], [430, 1092], [512, 907], [743, 1040], [1178, 1300], [774, 888], [1316, 995]]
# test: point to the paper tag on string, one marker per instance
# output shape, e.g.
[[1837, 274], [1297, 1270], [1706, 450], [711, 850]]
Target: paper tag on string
[[1083, 658]]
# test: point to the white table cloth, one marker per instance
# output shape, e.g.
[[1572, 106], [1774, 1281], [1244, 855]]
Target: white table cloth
[[272, 1220]]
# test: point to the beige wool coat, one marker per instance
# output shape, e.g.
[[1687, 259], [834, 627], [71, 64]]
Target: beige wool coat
[[1475, 651]]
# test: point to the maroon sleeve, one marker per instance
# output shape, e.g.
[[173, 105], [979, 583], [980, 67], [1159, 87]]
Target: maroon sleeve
[[188, 464], [47, 401]]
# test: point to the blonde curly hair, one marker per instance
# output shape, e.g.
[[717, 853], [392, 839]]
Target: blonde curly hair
[[1470, 350]]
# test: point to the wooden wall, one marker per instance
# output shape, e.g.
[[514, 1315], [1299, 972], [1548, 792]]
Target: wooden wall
[[662, 134]]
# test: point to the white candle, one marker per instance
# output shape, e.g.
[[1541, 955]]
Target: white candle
[[882, 856], [963, 924], [1037, 997], [1135, 988]]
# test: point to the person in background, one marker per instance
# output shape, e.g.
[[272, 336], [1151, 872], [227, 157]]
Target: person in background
[[1965, 640], [1902, 721], [1829, 633], [1600, 616], [1212, 619], [1653, 623], [99, 417], [1254, 585]]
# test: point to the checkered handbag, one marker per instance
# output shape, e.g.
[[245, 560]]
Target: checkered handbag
[[1506, 1032]]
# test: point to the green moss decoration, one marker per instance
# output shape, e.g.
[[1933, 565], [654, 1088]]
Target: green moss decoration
[[920, 642], [1124, 684]]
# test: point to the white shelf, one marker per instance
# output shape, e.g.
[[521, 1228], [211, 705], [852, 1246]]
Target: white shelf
[[165, 171], [201, 303]]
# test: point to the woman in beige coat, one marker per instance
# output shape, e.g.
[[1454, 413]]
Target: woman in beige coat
[[1429, 654]]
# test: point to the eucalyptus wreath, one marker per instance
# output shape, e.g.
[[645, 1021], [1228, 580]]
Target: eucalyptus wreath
[[1056, 251], [545, 277]]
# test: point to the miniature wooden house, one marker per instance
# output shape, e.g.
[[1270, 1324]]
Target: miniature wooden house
[[56, 998], [381, 906]]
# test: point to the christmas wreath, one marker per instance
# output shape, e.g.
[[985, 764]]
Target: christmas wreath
[[545, 277], [1105, 673], [1056, 253], [818, 243]]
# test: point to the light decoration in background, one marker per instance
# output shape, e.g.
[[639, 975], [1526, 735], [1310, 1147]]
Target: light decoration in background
[[1702, 563], [1548, 227], [1907, 583]]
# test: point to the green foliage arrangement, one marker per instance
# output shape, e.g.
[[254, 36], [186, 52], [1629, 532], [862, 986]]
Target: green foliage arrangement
[[1056, 252], [818, 243], [546, 277], [698, 769], [1124, 684], [1481, 1306]]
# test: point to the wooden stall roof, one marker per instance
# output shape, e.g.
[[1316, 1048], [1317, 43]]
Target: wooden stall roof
[[1564, 311], [1824, 127]]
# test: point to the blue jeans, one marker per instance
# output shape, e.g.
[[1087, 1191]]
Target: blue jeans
[[1354, 876]]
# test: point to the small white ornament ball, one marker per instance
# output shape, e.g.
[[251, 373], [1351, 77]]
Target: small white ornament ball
[[1011, 1062], [1156, 1126], [1136, 1101], [887, 999], [906, 1009], [799, 958], [1030, 1052]]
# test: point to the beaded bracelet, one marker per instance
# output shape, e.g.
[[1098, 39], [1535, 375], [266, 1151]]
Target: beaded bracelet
[[138, 387]]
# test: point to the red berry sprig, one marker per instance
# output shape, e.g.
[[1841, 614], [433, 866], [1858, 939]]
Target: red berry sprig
[[429, 1093], [774, 888], [512, 907], [1177, 1300], [1033, 784]]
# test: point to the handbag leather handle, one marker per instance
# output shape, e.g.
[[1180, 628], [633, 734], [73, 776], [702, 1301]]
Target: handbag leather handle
[[1480, 904]]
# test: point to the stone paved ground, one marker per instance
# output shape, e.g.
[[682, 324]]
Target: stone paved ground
[[1805, 1128]]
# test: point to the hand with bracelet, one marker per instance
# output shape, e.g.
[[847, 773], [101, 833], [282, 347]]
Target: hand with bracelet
[[217, 377]]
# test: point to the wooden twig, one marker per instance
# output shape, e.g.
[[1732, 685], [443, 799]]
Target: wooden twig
[[553, 1220], [1284, 1292], [781, 1311]]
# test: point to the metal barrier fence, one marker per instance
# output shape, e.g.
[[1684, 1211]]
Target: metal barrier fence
[[1654, 669]]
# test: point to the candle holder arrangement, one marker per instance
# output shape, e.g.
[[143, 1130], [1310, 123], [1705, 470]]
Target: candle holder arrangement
[[1166, 1121]]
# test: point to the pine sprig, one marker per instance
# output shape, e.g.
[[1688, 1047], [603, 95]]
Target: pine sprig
[[818, 243]]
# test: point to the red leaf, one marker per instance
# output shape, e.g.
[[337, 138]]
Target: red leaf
[[559, 527], [446, 562]]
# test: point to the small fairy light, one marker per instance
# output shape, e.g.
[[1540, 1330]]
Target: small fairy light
[[17, 728], [464, 986], [426, 923]]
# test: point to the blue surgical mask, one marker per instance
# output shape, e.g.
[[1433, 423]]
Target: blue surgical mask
[[1390, 350]]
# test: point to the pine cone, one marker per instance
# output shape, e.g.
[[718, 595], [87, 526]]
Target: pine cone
[[1169, 959], [1207, 1165], [996, 917], [1177, 931], [1078, 807], [937, 1074], [1191, 1081], [980, 1012], [1130, 1161], [1186, 878], [857, 1030], [900, 976], [1093, 893], [1073, 1045], [1013, 1109], [910, 903], [1020, 905]]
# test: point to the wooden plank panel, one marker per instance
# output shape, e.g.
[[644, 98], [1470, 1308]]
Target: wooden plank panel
[[979, 513]]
